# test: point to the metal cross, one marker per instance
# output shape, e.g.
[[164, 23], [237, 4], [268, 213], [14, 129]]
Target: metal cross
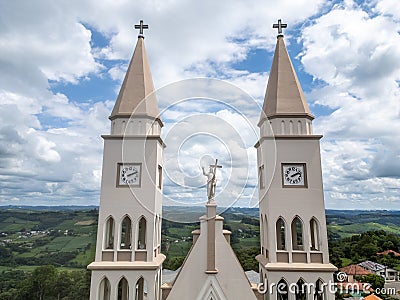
[[141, 26], [279, 26], [211, 185], [215, 166]]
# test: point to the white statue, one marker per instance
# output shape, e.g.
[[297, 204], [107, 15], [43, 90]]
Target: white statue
[[211, 180]]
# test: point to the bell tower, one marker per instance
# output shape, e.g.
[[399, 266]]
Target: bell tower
[[128, 260], [294, 244]]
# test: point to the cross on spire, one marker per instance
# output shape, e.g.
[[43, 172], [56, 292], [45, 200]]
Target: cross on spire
[[279, 25], [141, 26]]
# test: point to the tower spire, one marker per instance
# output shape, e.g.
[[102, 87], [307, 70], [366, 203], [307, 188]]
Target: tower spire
[[136, 96], [284, 95]]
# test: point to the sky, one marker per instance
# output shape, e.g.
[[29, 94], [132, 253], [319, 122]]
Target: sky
[[62, 63]]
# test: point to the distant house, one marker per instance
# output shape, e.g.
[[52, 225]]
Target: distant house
[[372, 297], [389, 252], [355, 289], [354, 270], [384, 271]]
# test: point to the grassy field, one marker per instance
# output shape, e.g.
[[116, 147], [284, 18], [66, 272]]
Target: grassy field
[[29, 238], [66, 238]]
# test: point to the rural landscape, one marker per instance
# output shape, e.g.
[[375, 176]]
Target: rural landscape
[[44, 251]]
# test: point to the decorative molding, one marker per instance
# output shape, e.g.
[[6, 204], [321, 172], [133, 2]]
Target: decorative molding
[[211, 290]]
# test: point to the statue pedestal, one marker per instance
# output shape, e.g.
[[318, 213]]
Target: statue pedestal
[[211, 214]]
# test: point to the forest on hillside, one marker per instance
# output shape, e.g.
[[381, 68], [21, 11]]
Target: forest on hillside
[[44, 252]]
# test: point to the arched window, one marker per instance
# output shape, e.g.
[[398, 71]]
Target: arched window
[[142, 233], [280, 234], [283, 127], [319, 293], [266, 244], [123, 289], [109, 236], [282, 290], [104, 289], [262, 231], [299, 129], [297, 234], [291, 127], [157, 287], [159, 230], [156, 229], [301, 290], [126, 233], [263, 284], [314, 242], [140, 289]]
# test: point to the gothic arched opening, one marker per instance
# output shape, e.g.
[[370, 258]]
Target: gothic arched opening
[[123, 289], [141, 244], [282, 290], [126, 233], [314, 242], [297, 234], [109, 234], [280, 234], [319, 293], [140, 289], [301, 290], [105, 289]]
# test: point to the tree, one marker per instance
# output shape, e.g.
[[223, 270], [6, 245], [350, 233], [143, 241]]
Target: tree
[[47, 283], [247, 258], [376, 281], [39, 285], [173, 263], [63, 285]]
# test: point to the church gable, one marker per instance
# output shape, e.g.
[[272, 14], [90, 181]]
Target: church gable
[[211, 290], [228, 281]]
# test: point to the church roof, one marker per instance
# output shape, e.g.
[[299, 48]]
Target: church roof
[[136, 96], [284, 95], [195, 278]]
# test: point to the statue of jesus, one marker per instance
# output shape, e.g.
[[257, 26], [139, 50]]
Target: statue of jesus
[[211, 180]]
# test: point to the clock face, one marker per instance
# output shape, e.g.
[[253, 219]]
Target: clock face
[[294, 175], [129, 174]]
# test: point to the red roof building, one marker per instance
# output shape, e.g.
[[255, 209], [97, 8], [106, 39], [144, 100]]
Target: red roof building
[[355, 270], [388, 252]]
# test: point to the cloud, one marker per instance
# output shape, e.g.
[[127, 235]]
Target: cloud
[[55, 165], [355, 54], [50, 149]]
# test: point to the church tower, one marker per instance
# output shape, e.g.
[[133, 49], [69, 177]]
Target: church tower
[[128, 259], [294, 244]]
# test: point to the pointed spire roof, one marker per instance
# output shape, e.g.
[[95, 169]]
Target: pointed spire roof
[[284, 95], [136, 96]]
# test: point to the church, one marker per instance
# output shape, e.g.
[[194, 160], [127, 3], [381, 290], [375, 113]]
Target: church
[[293, 259]]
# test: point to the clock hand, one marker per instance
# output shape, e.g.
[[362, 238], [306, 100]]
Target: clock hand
[[295, 174], [132, 173]]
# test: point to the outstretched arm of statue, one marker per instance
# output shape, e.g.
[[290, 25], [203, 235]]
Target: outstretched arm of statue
[[204, 172]]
